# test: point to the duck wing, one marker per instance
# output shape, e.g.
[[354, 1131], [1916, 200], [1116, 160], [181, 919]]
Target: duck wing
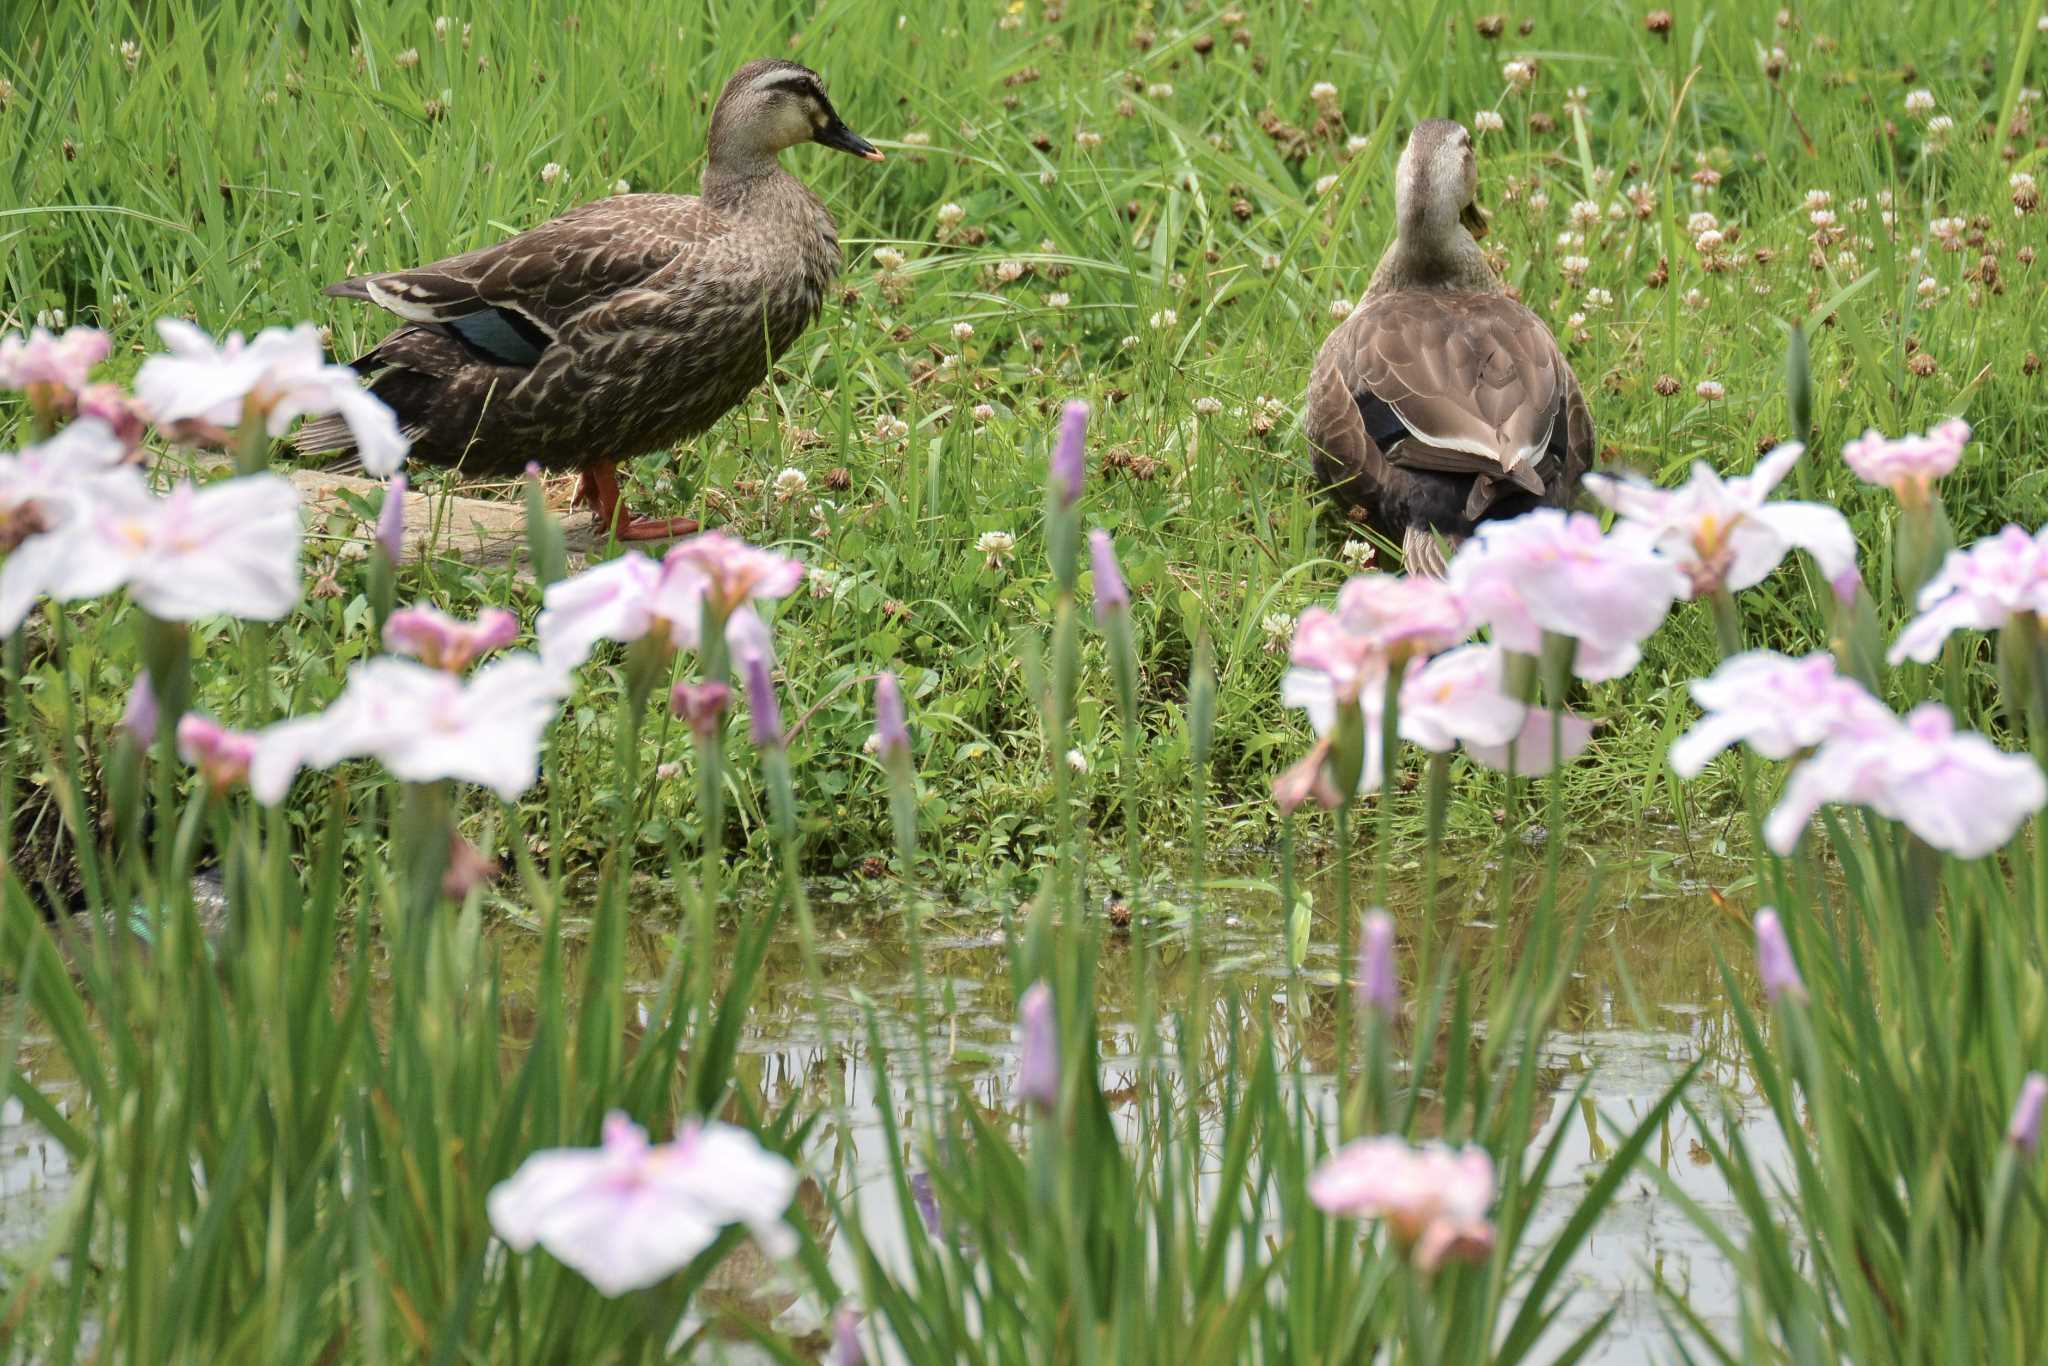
[[511, 301], [1461, 384]]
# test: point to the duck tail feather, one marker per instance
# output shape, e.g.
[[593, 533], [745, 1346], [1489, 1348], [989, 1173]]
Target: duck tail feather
[[1423, 552]]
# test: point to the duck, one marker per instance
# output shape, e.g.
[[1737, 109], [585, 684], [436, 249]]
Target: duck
[[1441, 401], [621, 327]]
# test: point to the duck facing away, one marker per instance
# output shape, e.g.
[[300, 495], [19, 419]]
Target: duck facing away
[[1440, 401], [623, 326]]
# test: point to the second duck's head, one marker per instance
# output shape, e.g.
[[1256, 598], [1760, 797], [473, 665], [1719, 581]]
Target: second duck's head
[[1435, 184], [769, 105]]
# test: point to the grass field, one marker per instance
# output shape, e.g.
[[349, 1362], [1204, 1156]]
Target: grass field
[[288, 1133], [1150, 206]]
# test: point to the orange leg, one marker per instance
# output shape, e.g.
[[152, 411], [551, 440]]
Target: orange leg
[[599, 492]]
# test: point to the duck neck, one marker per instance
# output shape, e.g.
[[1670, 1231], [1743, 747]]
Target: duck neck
[[1447, 260], [737, 174]]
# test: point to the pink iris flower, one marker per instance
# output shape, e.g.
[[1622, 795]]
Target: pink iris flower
[[424, 724], [629, 1213], [278, 378], [1908, 465], [229, 548], [222, 756], [441, 642], [41, 486], [1553, 572], [43, 360], [1958, 792], [1724, 533], [633, 596], [1779, 706], [1979, 589], [1433, 1198], [733, 573]]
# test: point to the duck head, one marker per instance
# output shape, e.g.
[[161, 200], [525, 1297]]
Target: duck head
[[1436, 183], [769, 105]]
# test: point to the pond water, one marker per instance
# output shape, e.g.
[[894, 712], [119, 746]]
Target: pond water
[[1652, 948]]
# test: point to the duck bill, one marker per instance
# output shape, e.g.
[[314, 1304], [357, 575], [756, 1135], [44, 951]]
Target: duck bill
[[1473, 219], [839, 137]]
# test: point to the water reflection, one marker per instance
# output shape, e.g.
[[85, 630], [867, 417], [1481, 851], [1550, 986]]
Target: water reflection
[[1645, 1004]]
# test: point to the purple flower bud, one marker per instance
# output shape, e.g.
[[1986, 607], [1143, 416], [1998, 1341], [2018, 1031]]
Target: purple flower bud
[[700, 705], [1377, 989], [2024, 1132], [1774, 960], [846, 1348], [892, 736], [1070, 457], [764, 712], [533, 470], [139, 720], [391, 520], [1110, 593], [927, 1201], [1038, 1052], [1847, 585]]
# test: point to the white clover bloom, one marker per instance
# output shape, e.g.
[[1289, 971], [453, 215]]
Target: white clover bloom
[[1087, 141], [888, 258], [1487, 121], [891, 428], [995, 547], [1077, 761], [1325, 184], [1599, 298], [1206, 406], [962, 331], [1710, 390], [622, 186], [1322, 92], [1009, 272], [1818, 199], [951, 215], [1584, 213], [551, 173], [791, 483], [1940, 125], [982, 413], [1165, 318], [1159, 90], [1340, 309], [1920, 103], [1518, 74], [1059, 298], [1709, 242]]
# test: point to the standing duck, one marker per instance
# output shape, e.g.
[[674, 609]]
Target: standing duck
[[1441, 402], [623, 326]]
